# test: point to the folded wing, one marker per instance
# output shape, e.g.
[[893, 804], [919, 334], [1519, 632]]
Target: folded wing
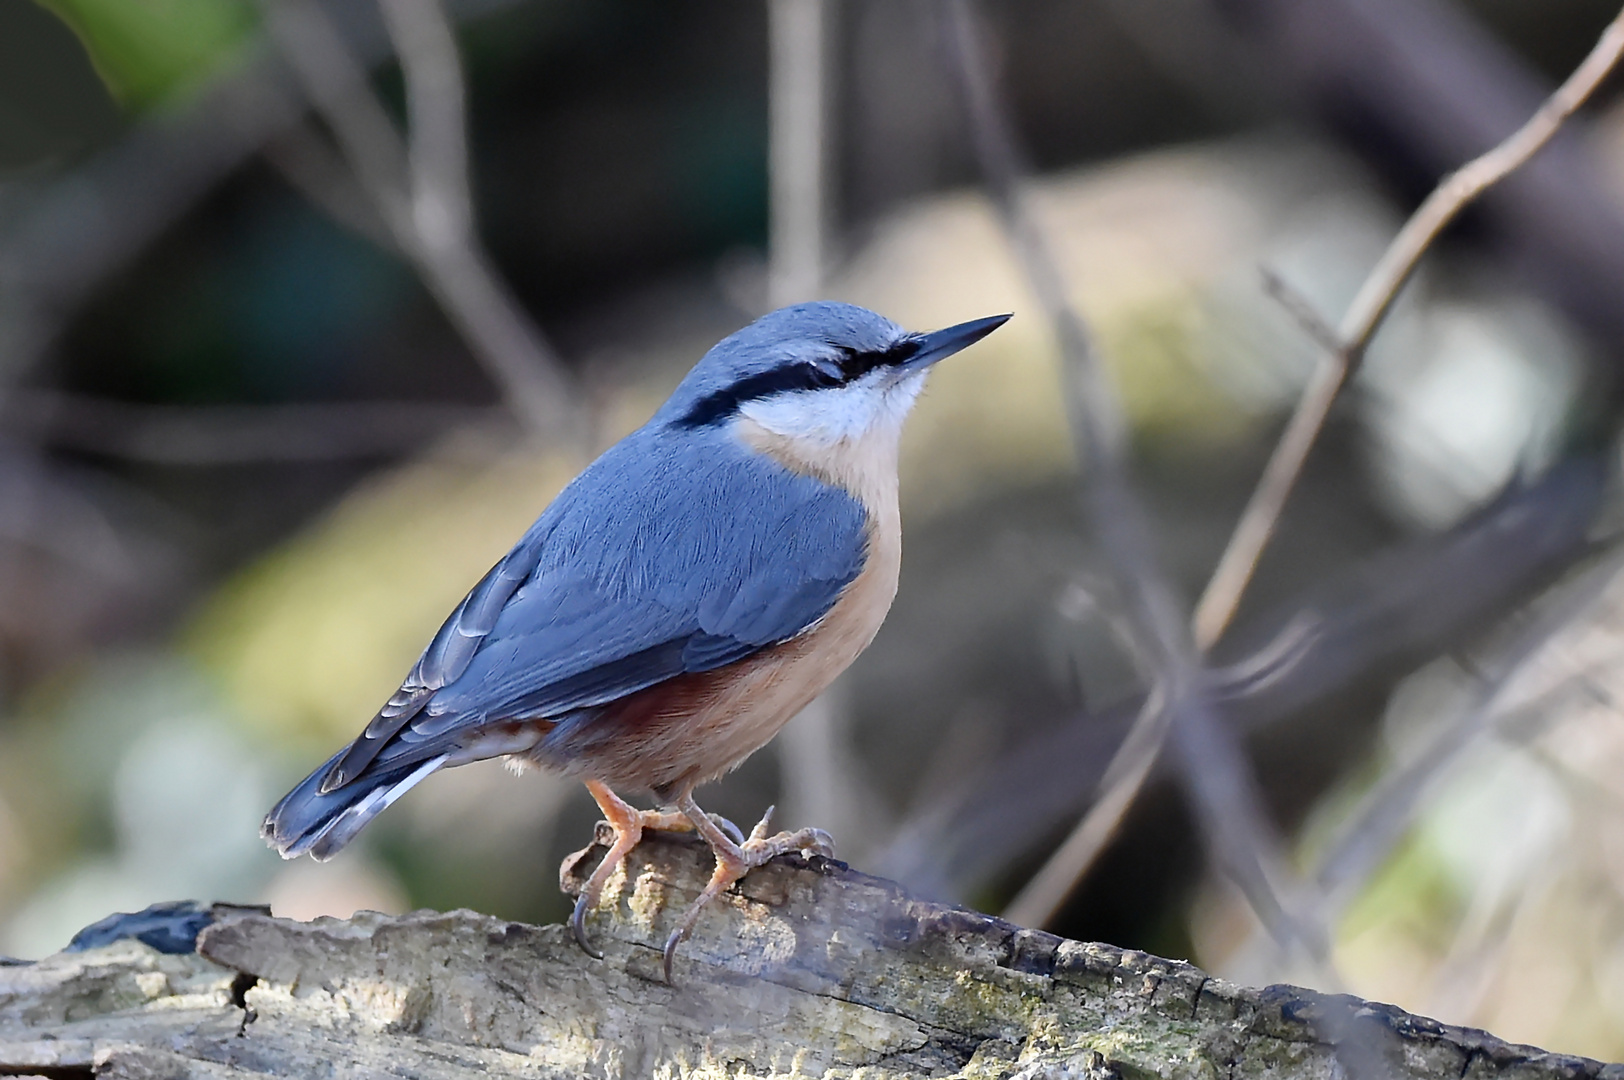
[[656, 562]]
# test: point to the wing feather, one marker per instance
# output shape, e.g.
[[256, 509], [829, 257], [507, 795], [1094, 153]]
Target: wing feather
[[445, 659], [661, 559]]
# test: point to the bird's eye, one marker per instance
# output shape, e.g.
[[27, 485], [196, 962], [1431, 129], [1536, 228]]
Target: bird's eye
[[826, 372]]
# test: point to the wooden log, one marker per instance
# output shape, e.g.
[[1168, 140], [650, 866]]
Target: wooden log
[[803, 970]]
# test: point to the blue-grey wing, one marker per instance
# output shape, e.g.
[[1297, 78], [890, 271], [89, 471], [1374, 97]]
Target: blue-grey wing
[[661, 559], [446, 658]]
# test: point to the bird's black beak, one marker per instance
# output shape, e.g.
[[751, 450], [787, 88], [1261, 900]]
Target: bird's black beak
[[940, 344]]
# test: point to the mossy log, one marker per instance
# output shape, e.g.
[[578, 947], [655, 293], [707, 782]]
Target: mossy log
[[803, 970]]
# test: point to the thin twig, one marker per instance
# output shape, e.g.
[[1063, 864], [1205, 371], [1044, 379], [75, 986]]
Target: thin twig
[[437, 152], [421, 190], [1301, 309], [820, 785], [797, 148], [1089, 597], [1218, 776], [1386, 810], [1364, 316], [233, 434], [1043, 896], [1344, 349]]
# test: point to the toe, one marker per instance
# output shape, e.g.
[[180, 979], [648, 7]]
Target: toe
[[758, 850], [765, 826], [664, 821]]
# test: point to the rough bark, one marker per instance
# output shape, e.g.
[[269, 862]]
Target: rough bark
[[804, 970]]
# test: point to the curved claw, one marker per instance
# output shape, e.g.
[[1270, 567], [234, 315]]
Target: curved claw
[[671, 944], [627, 823], [821, 843], [578, 924], [728, 827]]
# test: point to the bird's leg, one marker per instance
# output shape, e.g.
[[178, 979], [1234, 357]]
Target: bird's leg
[[628, 822], [734, 860]]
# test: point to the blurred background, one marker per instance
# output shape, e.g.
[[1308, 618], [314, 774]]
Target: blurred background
[[289, 355]]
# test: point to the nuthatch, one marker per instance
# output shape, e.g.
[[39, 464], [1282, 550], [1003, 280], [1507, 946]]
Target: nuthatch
[[679, 601]]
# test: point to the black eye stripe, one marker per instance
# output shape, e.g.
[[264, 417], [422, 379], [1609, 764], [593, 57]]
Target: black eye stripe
[[852, 364], [724, 403], [855, 364]]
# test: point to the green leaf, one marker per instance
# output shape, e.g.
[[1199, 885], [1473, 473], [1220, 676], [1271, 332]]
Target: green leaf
[[146, 50]]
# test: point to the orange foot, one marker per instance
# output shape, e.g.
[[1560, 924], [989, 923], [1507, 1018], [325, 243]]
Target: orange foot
[[628, 823], [734, 860]]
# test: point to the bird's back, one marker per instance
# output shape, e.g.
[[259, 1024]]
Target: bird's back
[[683, 596], [668, 557]]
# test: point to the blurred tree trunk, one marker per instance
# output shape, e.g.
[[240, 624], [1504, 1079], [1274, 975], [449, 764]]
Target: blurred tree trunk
[[806, 970]]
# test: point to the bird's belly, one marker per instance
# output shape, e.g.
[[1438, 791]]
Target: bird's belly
[[694, 728]]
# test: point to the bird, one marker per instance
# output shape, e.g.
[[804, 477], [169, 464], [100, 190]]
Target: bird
[[679, 601]]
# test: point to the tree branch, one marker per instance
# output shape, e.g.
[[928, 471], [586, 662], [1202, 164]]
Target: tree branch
[[232, 434], [806, 970], [1345, 348], [421, 190], [1215, 770], [1364, 316]]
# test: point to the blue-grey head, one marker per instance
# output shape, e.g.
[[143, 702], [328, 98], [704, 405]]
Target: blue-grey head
[[820, 374]]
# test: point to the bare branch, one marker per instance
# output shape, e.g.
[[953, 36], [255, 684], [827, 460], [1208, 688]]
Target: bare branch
[[1458, 190], [1046, 892], [1345, 348], [232, 434], [422, 191], [1364, 316], [1301, 309], [442, 207], [797, 149], [1216, 772], [764, 995], [1387, 809], [1222, 595]]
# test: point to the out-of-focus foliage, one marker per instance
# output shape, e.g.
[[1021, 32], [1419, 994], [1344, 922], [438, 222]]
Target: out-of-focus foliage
[[185, 642], [1502, 905], [148, 50], [1162, 254], [311, 640], [51, 102], [298, 649], [1146, 245], [139, 758]]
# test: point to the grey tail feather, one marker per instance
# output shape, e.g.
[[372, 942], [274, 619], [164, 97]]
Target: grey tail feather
[[308, 821]]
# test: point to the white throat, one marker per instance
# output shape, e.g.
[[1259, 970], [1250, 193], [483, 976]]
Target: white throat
[[845, 436], [840, 414]]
